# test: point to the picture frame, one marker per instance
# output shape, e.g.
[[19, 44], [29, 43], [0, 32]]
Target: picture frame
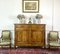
[[30, 6]]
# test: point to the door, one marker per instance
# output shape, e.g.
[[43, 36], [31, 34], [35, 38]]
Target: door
[[23, 37], [37, 38]]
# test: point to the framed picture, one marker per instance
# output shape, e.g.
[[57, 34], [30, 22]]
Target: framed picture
[[30, 6]]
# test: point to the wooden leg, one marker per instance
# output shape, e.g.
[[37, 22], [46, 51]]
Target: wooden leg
[[15, 46], [10, 46]]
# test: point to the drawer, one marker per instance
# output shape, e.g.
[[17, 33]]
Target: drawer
[[22, 26], [22, 29], [38, 27]]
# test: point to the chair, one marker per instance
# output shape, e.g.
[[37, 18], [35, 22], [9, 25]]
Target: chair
[[53, 39], [5, 39]]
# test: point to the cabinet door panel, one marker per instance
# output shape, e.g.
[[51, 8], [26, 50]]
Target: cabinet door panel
[[22, 36], [38, 38]]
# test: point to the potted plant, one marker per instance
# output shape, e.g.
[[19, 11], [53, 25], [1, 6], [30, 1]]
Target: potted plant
[[21, 18], [38, 17]]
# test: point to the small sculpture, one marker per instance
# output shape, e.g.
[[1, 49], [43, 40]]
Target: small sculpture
[[30, 21]]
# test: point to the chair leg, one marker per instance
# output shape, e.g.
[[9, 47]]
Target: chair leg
[[15, 46], [10, 46], [1, 46]]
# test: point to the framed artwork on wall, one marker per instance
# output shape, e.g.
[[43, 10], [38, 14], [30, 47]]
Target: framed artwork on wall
[[30, 6]]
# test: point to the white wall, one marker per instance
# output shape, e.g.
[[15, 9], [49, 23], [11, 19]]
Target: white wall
[[9, 9]]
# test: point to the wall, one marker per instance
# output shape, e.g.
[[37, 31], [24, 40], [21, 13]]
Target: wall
[[9, 9]]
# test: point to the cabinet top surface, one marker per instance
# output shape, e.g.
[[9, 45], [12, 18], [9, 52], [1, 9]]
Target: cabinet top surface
[[29, 24]]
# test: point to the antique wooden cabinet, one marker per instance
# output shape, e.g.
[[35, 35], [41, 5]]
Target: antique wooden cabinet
[[29, 35]]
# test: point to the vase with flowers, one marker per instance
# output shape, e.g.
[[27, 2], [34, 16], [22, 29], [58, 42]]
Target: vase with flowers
[[38, 18], [21, 18]]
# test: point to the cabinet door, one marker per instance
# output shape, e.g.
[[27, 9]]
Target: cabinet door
[[37, 38], [22, 37]]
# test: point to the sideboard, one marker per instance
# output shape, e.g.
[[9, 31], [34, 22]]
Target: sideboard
[[29, 35]]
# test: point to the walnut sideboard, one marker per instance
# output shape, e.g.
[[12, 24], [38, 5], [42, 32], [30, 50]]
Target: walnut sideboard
[[29, 35]]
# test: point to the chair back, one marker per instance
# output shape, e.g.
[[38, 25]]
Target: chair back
[[5, 34], [53, 36]]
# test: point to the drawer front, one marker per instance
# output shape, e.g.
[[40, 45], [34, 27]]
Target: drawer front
[[38, 27], [30, 26], [22, 27]]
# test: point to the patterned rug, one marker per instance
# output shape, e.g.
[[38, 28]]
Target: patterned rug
[[29, 51]]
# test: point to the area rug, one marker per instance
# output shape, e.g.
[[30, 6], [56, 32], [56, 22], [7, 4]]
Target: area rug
[[28, 51]]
